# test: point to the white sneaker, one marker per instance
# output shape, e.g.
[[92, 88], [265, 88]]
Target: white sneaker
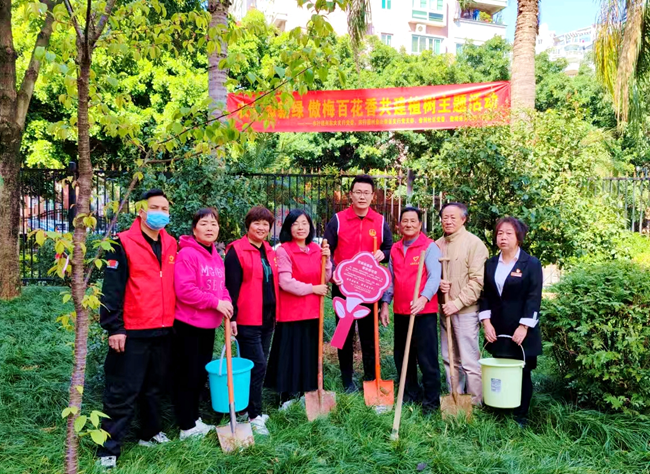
[[107, 462], [265, 417], [200, 430], [160, 438], [259, 425], [285, 406]]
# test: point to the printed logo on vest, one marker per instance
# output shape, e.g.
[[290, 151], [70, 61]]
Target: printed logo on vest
[[416, 260], [372, 233], [112, 264], [171, 259]]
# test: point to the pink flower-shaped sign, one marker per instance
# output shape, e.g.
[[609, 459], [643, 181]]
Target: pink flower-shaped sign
[[363, 281]]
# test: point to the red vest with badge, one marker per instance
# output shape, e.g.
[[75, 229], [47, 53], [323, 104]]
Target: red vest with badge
[[305, 268], [251, 296], [405, 270], [356, 234], [149, 299]]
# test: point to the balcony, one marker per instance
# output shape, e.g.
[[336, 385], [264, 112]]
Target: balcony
[[477, 31], [489, 6]]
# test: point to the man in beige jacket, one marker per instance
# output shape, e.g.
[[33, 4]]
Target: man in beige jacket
[[467, 254]]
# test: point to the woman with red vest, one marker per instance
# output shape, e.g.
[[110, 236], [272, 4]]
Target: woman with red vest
[[293, 364], [403, 265], [252, 281], [202, 301]]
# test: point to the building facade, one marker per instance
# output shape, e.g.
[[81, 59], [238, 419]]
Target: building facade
[[415, 25], [574, 46]]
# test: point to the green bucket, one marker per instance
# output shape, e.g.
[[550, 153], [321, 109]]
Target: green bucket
[[502, 380]]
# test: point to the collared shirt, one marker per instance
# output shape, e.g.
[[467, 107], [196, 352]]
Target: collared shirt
[[503, 270]]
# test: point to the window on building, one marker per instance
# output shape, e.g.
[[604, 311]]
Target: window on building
[[459, 48], [423, 43], [385, 4], [387, 39], [428, 10]]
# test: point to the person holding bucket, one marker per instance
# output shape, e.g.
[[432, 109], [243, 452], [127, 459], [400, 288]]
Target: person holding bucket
[[293, 363], [252, 281], [202, 301], [403, 266], [510, 304]]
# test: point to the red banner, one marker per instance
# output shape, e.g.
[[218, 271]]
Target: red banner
[[371, 110]]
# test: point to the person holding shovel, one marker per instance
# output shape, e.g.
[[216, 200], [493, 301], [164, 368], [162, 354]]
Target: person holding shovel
[[293, 362], [252, 282], [349, 232], [467, 255], [202, 301], [403, 266], [510, 304]]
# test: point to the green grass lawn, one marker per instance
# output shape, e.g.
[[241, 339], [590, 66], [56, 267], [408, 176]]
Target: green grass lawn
[[35, 355]]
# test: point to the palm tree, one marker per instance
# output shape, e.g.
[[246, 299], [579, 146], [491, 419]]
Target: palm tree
[[622, 56], [217, 77], [522, 79]]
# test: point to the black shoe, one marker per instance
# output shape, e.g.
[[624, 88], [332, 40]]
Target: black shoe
[[350, 388], [522, 421]]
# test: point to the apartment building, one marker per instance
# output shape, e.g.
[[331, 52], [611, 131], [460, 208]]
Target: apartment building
[[574, 46], [441, 26]]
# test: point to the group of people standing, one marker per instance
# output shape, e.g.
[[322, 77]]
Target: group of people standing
[[161, 308]]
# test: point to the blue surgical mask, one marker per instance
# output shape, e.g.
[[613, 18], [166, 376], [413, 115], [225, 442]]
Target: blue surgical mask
[[157, 220]]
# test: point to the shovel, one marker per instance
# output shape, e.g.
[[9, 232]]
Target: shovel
[[234, 435], [453, 404], [394, 436], [319, 402], [378, 392]]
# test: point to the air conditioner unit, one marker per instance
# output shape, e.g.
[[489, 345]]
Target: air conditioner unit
[[420, 28]]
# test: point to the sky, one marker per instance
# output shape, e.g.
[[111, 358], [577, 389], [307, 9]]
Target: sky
[[562, 16]]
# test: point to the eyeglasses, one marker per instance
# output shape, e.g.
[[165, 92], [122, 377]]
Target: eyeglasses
[[362, 193]]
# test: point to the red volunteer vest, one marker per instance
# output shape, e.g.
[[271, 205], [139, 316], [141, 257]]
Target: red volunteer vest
[[356, 235], [405, 269], [149, 299], [251, 298], [305, 267]]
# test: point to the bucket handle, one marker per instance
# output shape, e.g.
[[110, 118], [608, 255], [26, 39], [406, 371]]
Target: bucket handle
[[223, 353], [510, 337]]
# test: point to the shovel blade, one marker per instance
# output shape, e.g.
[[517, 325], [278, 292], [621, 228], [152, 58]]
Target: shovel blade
[[242, 438], [452, 408], [384, 396], [319, 403]]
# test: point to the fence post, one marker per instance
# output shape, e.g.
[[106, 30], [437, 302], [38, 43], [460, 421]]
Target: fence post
[[72, 195]]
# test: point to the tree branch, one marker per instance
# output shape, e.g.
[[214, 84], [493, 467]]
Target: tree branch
[[73, 17], [87, 26], [110, 4]]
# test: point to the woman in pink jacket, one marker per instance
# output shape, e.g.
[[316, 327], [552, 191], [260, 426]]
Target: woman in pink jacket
[[202, 301]]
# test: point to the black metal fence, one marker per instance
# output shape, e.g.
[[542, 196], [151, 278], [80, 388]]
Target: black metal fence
[[49, 197]]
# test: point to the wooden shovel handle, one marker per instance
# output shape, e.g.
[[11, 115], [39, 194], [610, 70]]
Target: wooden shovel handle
[[450, 339], [376, 327], [321, 318], [231, 391], [409, 335]]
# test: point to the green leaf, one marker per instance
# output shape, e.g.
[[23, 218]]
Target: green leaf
[[79, 423], [99, 436], [50, 56], [94, 419], [40, 237], [280, 71], [39, 52]]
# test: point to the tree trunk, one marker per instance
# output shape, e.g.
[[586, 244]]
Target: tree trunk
[[217, 77], [84, 184], [523, 55], [13, 111]]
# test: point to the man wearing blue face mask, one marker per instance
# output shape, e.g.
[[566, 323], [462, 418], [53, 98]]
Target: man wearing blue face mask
[[138, 312]]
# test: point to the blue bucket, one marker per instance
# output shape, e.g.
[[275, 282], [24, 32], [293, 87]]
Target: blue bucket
[[241, 378]]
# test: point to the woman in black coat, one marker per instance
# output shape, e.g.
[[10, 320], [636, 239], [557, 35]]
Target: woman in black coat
[[510, 303]]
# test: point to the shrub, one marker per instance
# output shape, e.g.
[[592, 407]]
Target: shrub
[[45, 259], [598, 329]]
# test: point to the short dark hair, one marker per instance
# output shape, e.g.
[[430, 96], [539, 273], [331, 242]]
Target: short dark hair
[[153, 193], [258, 213], [521, 229], [411, 209], [459, 205], [285, 233], [205, 212], [363, 178]]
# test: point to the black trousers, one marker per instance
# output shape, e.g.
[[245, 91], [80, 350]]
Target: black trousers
[[526, 388], [135, 376], [423, 352], [254, 343], [367, 340], [192, 350]]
